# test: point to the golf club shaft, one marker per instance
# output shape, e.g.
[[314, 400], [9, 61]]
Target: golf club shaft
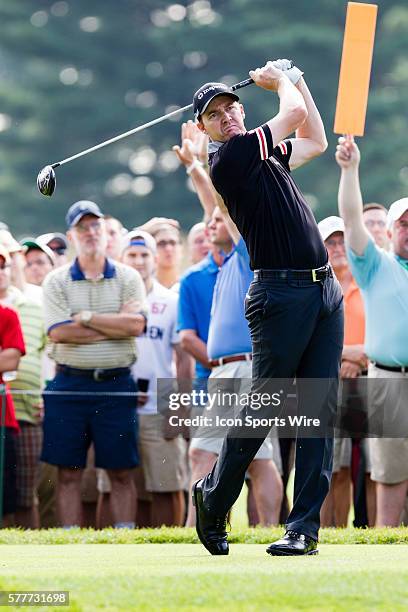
[[140, 128]]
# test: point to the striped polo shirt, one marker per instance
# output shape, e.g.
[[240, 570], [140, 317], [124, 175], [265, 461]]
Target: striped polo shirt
[[67, 292], [29, 369]]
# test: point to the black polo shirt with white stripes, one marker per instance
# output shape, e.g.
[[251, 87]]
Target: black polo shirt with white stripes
[[265, 203]]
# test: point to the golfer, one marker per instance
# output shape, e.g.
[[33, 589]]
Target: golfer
[[294, 305]]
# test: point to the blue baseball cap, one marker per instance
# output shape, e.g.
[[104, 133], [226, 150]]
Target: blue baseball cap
[[208, 92], [80, 209], [139, 238]]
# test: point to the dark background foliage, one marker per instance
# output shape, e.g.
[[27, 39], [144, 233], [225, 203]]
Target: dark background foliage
[[74, 73]]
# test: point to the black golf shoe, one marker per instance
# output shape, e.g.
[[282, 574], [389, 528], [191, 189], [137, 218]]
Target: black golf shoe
[[210, 529], [293, 543]]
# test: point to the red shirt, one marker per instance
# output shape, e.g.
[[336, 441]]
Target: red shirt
[[11, 336]]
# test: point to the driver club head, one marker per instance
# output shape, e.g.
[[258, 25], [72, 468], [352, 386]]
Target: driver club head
[[46, 181]]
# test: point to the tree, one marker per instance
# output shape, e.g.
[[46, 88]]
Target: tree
[[74, 74]]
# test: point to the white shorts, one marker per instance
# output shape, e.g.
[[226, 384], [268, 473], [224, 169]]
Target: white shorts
[[210, 439]]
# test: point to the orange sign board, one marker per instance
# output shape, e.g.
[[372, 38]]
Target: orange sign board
[[355, 69]]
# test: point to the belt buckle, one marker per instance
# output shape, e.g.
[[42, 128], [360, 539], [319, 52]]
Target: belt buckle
[[314, 277], [98, 374]]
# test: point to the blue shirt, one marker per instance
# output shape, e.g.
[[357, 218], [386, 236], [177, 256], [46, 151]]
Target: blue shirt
[[195, 299], [229, 333], [383, 281]]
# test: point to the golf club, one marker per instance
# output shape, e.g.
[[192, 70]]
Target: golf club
[[46, 180]]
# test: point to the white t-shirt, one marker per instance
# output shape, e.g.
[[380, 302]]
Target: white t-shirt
[[155, 347], [34, 293]]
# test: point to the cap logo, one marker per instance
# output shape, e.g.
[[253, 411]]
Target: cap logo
[[201, 94]]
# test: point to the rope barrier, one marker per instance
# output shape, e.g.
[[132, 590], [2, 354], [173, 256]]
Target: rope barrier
[[37, 392]]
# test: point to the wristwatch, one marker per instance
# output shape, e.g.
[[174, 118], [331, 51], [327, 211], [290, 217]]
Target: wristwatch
[[85, 317]]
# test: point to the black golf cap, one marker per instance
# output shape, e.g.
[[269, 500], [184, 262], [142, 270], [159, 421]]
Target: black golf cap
[[80, 209], [208, 92]]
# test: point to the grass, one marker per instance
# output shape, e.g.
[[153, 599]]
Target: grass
[[143, 569], [185, 577], [183, 535]]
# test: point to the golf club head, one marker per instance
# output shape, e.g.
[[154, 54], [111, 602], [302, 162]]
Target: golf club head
[[46, 181]]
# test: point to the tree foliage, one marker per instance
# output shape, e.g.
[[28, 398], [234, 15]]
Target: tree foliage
[[76, 73]]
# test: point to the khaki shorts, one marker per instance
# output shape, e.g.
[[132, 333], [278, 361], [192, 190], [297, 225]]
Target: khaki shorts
[[163, 461], [389, 459], [389, 456], [209, 438]]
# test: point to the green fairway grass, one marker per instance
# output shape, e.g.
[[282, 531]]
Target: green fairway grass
[[186, 577], [185, 535]]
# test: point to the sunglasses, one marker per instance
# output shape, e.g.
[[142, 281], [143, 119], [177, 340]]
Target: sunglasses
[[59, 250]]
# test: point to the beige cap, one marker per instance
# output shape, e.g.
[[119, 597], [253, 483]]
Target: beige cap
[[47, 238], [41, 246], [10, 243], [330, 225]]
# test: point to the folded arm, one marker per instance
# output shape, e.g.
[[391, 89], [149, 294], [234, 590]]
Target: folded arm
[[116, 325], [74, 333]]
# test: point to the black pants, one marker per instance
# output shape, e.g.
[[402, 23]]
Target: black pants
[[296, 330]]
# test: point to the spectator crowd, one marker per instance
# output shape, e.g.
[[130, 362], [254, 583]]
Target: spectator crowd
[[90, 320]]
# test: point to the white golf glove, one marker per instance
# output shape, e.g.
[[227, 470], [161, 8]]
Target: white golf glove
[[292, 72], [283, 64]]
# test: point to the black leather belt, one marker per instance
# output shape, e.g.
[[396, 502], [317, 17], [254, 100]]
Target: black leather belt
[[314, 276], [98, 374], [401, 369]]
